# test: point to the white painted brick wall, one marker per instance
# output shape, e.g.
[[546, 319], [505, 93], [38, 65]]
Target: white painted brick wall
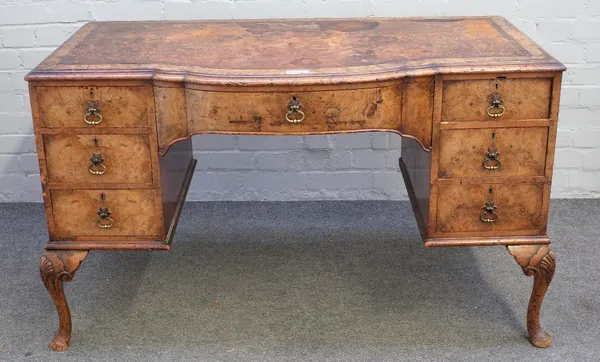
[[357, 166]]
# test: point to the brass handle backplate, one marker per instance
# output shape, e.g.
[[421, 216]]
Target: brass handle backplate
[[105, 220], [92, 114], [491, 161], [489, 211], [496, 108], [97, 166], [294, 113]]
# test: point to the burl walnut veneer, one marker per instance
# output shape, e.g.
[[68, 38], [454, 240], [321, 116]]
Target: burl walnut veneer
[[114, 109]]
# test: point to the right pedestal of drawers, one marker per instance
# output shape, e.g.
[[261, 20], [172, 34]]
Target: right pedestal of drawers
[[490, 171]]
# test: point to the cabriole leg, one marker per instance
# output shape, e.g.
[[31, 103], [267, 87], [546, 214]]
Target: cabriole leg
[[539, 261], [57, 267]]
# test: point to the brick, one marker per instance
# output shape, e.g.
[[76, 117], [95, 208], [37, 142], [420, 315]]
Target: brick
[[369, 159], [578, 117], [554, 30], [395, 141], [569, 96], [268, 9], [33, 189], [328, 160], [388, 180], [587, 138], [339, 180], [380, 140], [560, 182], [33, 57], [564, 138], [198, 10], [29, 163], [9, 124], [586, 181], [593, 8], [351, 140], [214, 142], [17, 144], [273, 180], [11, 103], [269, 142], [591, 160], [586, 28], [589, 97], [51, 36], [338, 9], [476, 8], [555, 9], [127, 10], [232, 161], [4, 82], [592, 53], [9, 59], [583, 75], [215, 181], [23, 14], [12, 187], [287, 161], [318, 142], [568, 158], [18, 38], [385, 8], [565, 52], [391, 159], [9, 164], [71, 11], [25, 123], [18, 82]]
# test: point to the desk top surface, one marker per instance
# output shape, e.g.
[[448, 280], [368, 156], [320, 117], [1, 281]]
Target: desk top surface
[[298, 51]]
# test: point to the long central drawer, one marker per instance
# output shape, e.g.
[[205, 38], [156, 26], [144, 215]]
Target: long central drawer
[[335, 110]]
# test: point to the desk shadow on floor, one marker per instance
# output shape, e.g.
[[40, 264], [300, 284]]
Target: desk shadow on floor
[[290, 276]]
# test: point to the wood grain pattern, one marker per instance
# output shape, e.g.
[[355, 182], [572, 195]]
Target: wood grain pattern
[[522, 152], [340, 110], [427, 79], [538, 261], [120, 106], [519, 209], [57, 267], [417, 109], [524, 98], [126, 157], [75, 213], [299, 51]]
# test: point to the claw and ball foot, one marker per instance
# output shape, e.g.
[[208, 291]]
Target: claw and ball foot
[[538, 261], [57, 267]]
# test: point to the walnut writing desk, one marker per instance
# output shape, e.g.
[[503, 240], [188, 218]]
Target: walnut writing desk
[[114, 109]]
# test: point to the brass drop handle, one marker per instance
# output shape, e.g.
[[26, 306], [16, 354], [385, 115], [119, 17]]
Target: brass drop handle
[[97, 166], [489, 210], [92, 114], [105, 220], [496, 108], [294, 113], [491, 161]]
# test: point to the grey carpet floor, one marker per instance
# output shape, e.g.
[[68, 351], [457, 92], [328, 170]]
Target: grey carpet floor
[[301, 281]]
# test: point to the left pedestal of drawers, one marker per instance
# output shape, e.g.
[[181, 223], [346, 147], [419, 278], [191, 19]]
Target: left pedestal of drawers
[[100, 169]]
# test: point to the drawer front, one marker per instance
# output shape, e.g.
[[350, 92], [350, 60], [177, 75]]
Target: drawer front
[[517, 208], [115, 106], [99, 158], [493, 152], [133, 213], [318, 111], [521, 99]]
